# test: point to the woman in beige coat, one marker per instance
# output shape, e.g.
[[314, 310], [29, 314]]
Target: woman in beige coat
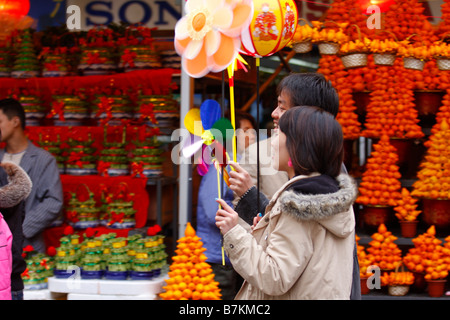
[[303, 246]]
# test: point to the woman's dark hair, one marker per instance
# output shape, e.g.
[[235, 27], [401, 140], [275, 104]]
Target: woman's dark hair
[[12, 108], [314, 140], [310, 89], [240, 115]]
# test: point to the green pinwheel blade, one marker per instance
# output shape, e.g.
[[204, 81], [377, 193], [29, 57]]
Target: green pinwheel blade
[[225, 127]]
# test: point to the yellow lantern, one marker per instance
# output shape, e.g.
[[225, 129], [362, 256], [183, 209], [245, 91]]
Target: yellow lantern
[[273, 26]]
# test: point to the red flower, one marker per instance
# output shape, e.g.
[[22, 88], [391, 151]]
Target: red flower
[[51, 66], [90, 232], [136, 169], [152, 231], [103, 167], [57, 109], [105, 106], [128, 58], [146, 111], [68, 230], [116, 217], [28, 248], [51, 251], [94, 58]]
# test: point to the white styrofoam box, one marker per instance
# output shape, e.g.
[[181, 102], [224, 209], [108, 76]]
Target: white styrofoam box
[[132, 287], [43, 294], [73, 285], [107, 287], [81, 296]]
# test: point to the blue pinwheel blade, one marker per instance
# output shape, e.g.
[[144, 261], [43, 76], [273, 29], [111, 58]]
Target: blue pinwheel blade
[[210, 112]]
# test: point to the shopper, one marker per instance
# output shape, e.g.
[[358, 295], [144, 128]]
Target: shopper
[[303, 247], [229, 280], [45, 201], [12, 263], [296, 89]]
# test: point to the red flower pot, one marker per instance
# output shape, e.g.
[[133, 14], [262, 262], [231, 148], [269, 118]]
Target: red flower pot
[[364, 288], [373, 216], [436, 212], [420, 283], [436, 287], [428, 101], [408, 228]]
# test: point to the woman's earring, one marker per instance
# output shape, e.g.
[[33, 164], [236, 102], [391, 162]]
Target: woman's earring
[[290, 163]]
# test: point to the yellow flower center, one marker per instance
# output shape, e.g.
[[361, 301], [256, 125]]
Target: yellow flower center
[[207, 137], [199, 21]]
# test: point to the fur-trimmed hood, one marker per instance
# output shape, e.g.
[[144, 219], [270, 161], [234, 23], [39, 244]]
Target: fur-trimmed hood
[[329, 209], [18, 187]]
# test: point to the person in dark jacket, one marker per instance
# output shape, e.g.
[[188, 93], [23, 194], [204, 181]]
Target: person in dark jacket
[[45, 202]]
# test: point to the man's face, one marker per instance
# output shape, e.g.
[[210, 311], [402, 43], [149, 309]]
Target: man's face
[[7, 126], [284, 104]]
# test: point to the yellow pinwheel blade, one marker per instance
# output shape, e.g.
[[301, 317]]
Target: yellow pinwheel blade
[[193, 122]]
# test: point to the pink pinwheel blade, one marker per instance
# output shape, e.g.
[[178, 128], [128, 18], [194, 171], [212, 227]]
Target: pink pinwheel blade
[[202, 168]]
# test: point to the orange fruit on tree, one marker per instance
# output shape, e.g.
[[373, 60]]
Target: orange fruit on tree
[[190, 276]]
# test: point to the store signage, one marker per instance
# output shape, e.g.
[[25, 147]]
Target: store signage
[[85, 14]]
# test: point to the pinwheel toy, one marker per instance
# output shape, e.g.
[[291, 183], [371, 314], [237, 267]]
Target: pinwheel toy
[[206, 125], [208, 131]]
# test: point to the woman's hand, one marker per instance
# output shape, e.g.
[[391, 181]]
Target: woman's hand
[[226, 218], [240, 180], [256, 220]]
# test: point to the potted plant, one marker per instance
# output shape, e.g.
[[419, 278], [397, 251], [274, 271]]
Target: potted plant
[[364, 263], [407, 214], [379, 188], [383, 251], [432, 186]]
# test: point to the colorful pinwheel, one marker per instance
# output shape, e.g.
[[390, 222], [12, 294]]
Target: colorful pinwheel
[[210, 132]]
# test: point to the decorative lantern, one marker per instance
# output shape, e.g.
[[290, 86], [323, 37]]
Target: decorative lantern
[[382, 4], [12, 13], [15, 8], [273, 25]]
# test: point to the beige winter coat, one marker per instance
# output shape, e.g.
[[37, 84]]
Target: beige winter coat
[[301, 249]]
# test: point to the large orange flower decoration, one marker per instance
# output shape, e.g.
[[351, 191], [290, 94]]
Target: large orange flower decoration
[[208, 36]]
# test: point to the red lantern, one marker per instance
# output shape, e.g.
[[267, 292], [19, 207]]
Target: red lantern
[[382, 4], [273, 26], [16, 8]]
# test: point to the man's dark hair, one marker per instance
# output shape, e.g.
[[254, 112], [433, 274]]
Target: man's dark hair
[[310, 89], [12, 108], [314, 140]]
